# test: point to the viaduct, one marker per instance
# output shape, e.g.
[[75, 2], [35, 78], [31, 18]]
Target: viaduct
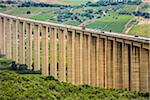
[[75, 55]]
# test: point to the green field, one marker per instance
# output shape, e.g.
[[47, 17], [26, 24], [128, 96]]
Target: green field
[[74, 2], [43, 17], [73, 23], [20, 11], [140, 30], [115, 23], [128, 8]]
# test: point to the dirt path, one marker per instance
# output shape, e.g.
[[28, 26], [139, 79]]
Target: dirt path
[[87, 22]]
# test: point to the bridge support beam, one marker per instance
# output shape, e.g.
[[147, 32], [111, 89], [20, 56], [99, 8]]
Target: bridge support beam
[[37, 47], [53, 51], [15, 40], [45, 50], [29, 45], [62, 54], [22, 43], [71, 56]]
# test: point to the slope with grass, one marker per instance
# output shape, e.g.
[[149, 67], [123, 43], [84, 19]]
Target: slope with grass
[[114, 23], [65, 2], [140, 30]]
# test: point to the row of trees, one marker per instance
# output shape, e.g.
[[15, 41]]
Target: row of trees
[[41, 4], [113, 2]]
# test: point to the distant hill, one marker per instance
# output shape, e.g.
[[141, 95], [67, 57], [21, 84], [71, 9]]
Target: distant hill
[[65, 2]]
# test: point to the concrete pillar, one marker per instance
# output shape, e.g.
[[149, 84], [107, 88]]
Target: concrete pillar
[[119, 65], [89, 60], [144, 70], [4, 36], [45, 50], [22, 42], [135, 66], [77, 58], [15, 41], [114, 63], [9, 39], [36, 47], [29, 45], [93, 61], [85, 59], [53, 51], [62, 54], [1, 35], [101, 62], [97, 62], [71, 56], [105, 61], [81, 59], [126, 65], [110, 64]]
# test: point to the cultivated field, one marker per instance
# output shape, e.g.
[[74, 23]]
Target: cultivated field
[[112, 22], [65, 2], [141, 30]]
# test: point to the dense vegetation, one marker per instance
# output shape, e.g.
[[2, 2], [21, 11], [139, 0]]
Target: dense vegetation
[[35, 86], [13, 86]]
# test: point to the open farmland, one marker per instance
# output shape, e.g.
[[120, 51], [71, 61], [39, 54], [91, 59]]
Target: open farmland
[[65, 2], [113, 23], [141, 30]]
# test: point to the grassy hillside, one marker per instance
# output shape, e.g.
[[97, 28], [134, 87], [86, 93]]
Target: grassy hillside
[[113, 22], [65, 2], [141, 30]]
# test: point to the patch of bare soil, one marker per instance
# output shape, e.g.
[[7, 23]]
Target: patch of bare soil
[[145, 1], [142, 20]]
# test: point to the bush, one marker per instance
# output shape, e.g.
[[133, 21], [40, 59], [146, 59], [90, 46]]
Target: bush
[[13, 66], [28, 12], [22, 67]]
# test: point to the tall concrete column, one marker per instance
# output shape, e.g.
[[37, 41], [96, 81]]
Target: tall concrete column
[[89, 59], [105, 61], [8, 39], [81, 58], [77, 58], [101, 62], [119, 65], [135, 65], [29, 45], [71, 56], [85, 58], [22, 42], [93, 61], [126, 65], [114, 63], [144, 70], [110, 64], [4, 36], [36, 47], [62, 54], [1, 42], [45, 50], [15, 41], [53, 51], [97, 62]]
